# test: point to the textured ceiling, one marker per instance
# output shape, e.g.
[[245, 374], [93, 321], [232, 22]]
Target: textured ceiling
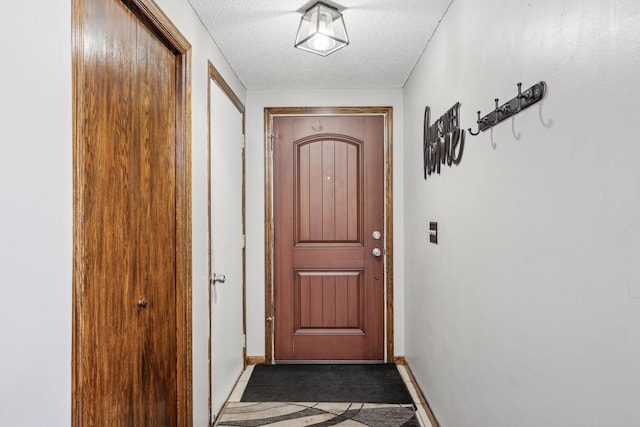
[[386, 39]]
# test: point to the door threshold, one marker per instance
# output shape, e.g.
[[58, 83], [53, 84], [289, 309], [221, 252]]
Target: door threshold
[[327, 362]]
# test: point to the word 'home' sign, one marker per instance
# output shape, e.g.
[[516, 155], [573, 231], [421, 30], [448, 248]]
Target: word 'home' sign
[[443, 141]]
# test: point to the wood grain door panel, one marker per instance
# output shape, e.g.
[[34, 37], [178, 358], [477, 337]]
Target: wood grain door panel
[[328, 191], [109, 221], [328, 197], [156, 240], [127, 215], [328, 300]]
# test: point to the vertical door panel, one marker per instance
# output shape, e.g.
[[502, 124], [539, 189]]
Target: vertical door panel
[[226, 257], [328, 191], [156, 238], [109, 288]]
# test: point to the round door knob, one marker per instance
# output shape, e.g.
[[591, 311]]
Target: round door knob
[[376, 252], [377, 235], [142, 303]]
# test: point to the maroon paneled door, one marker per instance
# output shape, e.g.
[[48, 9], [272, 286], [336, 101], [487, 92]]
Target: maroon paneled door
[[328, 204]]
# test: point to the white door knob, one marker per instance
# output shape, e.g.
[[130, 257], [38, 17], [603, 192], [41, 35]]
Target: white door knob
[[376, 252]]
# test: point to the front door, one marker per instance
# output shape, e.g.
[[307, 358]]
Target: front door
[[329, 223]]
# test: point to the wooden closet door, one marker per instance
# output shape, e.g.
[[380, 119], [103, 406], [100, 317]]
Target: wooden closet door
[[126, 220]]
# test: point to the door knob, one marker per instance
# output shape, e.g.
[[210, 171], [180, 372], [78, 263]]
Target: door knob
[[218, 278], [142, 303], [377, 235], [376, 252]]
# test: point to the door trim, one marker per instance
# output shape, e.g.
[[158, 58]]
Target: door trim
[[269, 114], [150, 14], [215, 75]]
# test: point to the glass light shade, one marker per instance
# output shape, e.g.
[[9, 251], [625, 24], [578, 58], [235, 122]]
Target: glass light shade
[[321, 30]]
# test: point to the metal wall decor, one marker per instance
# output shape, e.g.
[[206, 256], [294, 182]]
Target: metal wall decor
[[518, 103], [443, 141]]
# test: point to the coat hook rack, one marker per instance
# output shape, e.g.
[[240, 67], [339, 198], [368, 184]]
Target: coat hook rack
[[516, 104]]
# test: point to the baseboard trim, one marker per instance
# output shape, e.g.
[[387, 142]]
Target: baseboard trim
[[400, 360], [255, 360]]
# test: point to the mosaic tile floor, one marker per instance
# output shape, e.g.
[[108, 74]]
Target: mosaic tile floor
[[283, 414], [249, 414]]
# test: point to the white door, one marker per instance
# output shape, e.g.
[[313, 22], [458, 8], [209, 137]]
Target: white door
[[226, 247]]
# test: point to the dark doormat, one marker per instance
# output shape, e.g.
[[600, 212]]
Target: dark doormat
[[379, 383]]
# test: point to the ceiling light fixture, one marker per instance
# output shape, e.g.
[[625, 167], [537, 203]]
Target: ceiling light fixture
[[321, 30]]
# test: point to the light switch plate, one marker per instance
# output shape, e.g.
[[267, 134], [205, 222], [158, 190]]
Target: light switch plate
[[433, 232]]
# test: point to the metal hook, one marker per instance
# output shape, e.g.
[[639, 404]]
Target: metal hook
[[523, 100], [495, 112], [478, 123], [519, 98]]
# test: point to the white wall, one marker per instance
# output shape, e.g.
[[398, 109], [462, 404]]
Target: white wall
[[35, 214], [36, 208], [257, 101], [526, 313]]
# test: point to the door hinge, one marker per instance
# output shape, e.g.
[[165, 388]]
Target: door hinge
[[244, 241], [271, 142], [243, 141]]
